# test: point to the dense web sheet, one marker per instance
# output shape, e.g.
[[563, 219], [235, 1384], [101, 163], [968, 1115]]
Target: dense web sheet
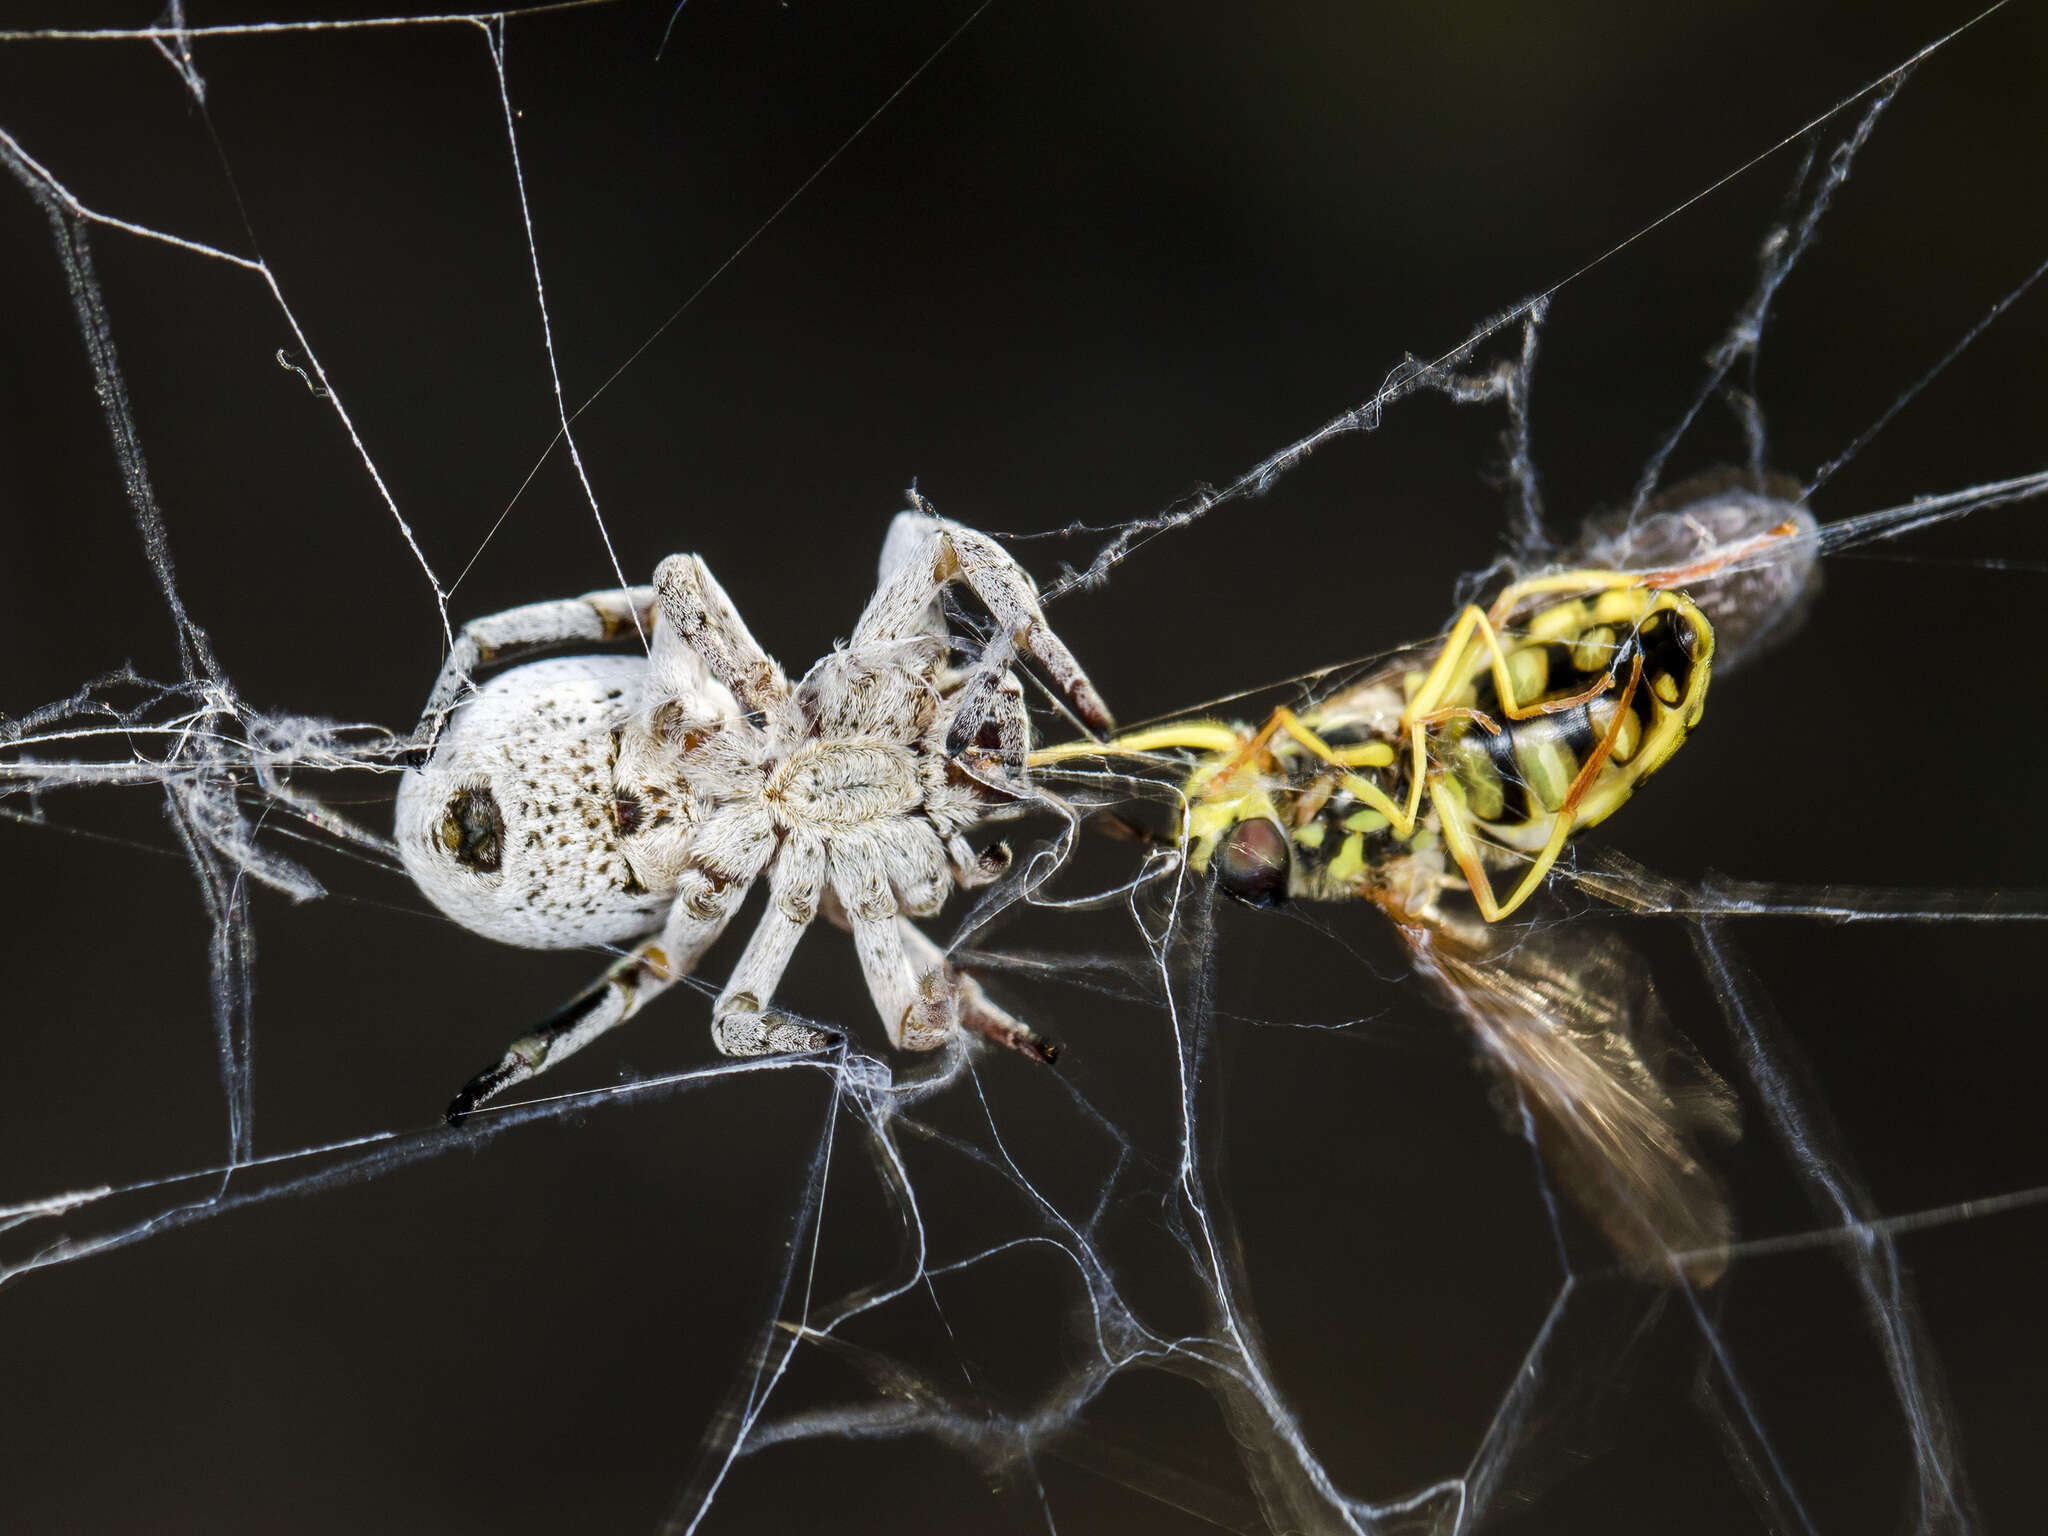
[[327, 323]]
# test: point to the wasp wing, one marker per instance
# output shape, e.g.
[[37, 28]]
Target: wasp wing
[[1568, 1023]]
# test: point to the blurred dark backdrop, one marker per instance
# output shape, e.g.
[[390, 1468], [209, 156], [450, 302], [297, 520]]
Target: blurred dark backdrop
[[1090, 259]]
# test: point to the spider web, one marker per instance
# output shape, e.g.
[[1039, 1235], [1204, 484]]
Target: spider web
[[1258, 1255]]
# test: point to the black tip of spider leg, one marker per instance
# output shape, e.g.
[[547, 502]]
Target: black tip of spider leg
[[1013, 1034], [1041, 1050], [478, 1090], [1091, 710]]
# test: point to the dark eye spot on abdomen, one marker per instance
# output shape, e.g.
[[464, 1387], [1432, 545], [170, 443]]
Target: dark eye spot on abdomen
[[473, 830]]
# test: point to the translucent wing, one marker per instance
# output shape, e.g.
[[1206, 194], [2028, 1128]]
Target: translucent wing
[[1568, 1023]]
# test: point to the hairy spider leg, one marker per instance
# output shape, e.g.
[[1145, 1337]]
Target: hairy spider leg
[[742, 1024], [977, 1011], [906, 607], [918, 1011], [692, 600], [702, 909], [519, 633], [924, 553]]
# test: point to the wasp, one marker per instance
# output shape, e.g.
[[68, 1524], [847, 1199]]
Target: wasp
[[1443, 786]]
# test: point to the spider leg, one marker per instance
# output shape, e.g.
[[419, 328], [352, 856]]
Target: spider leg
[[1003, 586], [978, 710], [703, 907], [742, 1024], [614, 998], [918, 1009], [972, 870], [977, 1012], [681, 688], [518, 632], [923, 554], [692, 600], [989, 729]]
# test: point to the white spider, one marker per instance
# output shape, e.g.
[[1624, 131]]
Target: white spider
[[606, 799]]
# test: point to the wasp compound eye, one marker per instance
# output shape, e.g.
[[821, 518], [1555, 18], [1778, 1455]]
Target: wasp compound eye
[[473, 831], [1251, 865]]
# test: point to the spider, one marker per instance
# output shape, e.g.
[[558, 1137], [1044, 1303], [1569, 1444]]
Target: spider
[[615, 799]]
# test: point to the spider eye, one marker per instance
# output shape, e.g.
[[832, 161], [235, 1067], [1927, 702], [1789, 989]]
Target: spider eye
[[1251, 865], [473, 831]]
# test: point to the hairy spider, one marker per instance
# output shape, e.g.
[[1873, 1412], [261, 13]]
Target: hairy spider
[[606, 799]]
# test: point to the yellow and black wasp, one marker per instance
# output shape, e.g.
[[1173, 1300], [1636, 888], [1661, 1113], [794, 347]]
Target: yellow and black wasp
[[1477, 757]]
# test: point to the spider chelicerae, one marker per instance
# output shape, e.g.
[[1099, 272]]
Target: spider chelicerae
[[627, 799]]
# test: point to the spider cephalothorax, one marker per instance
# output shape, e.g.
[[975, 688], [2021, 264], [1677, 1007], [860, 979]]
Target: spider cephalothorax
[[608, 799]]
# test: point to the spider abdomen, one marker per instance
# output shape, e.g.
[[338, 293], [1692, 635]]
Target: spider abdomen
[[513, 826]]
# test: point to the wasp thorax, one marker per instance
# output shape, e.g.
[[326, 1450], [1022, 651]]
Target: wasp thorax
[[1252, 861]]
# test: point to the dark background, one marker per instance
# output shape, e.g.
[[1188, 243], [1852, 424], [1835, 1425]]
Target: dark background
[[1092, 258]]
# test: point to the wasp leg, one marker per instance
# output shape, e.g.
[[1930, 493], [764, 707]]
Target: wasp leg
[[1371, 754], [1663, 579], [1449, 801], [1182, 735]]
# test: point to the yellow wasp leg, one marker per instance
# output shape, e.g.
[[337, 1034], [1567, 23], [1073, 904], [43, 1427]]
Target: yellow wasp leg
[[1516, 593], [1364, 754], [1436, 684], [1478, 717], [1426, 708], [1445, 672], [1189, 735], [1660, 580], [1512, 707], [1449, 801], [1472, 623], [1450, 810], [1209, 736], [1476, 626], [1368, 754], [1713, 565]]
